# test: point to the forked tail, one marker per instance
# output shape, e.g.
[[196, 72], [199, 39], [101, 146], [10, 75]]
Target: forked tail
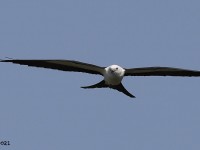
[[118, 87]]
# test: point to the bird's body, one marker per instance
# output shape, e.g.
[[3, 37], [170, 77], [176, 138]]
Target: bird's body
[[113, 74]]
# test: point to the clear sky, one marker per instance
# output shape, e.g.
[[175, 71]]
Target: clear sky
[[47, 109]]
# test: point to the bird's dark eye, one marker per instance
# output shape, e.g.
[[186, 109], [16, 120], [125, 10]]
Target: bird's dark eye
[[117, 68]]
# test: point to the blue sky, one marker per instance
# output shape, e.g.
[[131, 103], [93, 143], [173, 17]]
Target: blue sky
[[47, 109]]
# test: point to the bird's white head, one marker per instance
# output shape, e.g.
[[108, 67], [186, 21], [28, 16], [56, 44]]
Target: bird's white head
[[113, 74], [115, 70]]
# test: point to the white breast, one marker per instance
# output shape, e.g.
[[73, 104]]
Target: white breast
[[113, 75]]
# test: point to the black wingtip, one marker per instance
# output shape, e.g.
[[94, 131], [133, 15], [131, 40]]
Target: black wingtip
[[84, 87]]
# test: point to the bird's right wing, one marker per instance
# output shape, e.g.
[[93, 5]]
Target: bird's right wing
[[161, 71], [64, 65]]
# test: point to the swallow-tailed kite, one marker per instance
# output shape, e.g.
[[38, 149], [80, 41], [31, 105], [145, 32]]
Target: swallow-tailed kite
[[113, 74]]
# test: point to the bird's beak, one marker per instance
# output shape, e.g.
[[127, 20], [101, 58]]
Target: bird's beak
[[112, 70]]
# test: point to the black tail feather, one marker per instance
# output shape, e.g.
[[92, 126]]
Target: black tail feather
[[122, 89], [98, 85]]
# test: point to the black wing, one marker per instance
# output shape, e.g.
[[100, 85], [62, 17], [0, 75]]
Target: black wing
[[161, 71], [63, 65]]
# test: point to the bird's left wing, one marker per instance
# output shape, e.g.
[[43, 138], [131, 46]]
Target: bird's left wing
[[161, 71], [63, 65]]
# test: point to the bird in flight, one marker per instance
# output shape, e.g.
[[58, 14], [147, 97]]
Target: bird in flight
[[113, 74]]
